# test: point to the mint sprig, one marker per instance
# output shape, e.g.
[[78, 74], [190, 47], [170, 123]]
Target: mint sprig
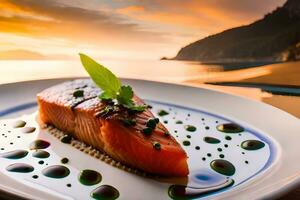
[[110, 84]]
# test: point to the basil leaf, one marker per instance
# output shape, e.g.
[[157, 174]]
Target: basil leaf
[[105, 96], [102, 76], [125, 95]]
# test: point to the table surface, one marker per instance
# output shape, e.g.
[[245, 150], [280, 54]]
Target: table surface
[[260, 80]]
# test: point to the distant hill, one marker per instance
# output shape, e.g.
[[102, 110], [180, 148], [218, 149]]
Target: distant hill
[[274, 38]]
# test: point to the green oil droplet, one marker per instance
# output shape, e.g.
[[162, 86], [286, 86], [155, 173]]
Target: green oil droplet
[[16, 154], [89, 177], [179, 122], [162, 113], [28, 129], [39, 144], [18, 124], [64, 160], [20, 168], [230, 128], [252, 145], [211, 140], [66, 139], [223, 167], [105, 192], [56, 171], [40, 154], [186, 143], [190, 128]]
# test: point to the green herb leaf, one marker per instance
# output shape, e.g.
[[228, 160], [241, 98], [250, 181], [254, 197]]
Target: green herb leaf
[[110, 84], [105, 96], [102, 76], [125, 95]]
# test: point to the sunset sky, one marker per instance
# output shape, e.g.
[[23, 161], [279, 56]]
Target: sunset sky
[[117, 29]]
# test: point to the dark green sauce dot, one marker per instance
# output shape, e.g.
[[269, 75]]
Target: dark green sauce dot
[[230, 128], [66, 139], [211, 140], [202, 119], [20, 168], [227, 137], [209, 154], [197, 148], [246, 162], [89, 177], [243, 152], [162, 113], [40, 154], [69, 185], [179, 122], [64, 160], [129, 122], [165, 121], [175, 131], [203, 158], [188, 136], [41, 162], [156, 145], [78, 93], [167, 134], [39, 144], [35, 176], [186, 143], [221, 156], [16, 154], [190, 128], [18, 136], [105, 192], [11, 143], [147, 131], [252, 145], [151, 123], [225, 145], [223, 167], [56, 171], [206, 127], [2, 149], [219, 149]]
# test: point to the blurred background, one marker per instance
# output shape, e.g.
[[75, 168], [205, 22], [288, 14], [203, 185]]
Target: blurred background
[[245, 47]]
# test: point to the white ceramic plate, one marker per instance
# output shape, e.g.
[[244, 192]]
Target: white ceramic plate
[[264, 173]]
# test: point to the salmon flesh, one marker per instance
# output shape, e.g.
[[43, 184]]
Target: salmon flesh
[[115, 131]]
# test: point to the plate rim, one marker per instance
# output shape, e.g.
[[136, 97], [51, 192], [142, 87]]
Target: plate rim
[[294, 182]]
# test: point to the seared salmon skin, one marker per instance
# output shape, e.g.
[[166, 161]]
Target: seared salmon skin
[[75, 108]]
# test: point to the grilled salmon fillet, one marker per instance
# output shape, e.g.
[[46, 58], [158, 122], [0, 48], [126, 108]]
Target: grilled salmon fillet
[[93, 122]]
